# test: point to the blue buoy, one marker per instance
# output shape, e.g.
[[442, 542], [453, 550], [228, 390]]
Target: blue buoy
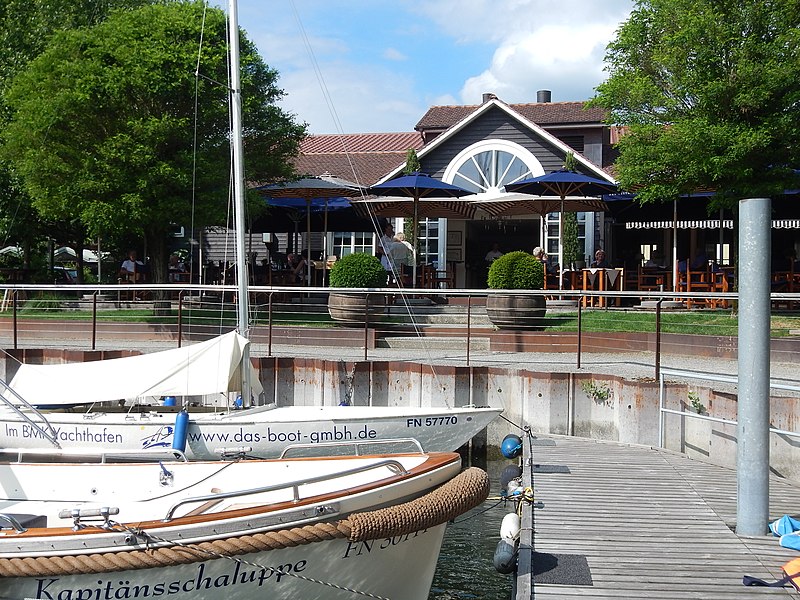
[[169, 400], [181, 431], [511, 447]]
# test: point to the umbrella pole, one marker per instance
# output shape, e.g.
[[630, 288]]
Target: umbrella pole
[[674, 245], [308, 242], [325, 244], [415, 229], [561, 247]]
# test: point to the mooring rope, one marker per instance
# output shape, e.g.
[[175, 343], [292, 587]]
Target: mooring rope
[[457, 496]]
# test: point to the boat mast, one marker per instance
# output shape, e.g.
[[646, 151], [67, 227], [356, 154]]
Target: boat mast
[[237, 150]]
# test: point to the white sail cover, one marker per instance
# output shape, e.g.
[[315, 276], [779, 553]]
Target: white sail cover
[[205, 368]]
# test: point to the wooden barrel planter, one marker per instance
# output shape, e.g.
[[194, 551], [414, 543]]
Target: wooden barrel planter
[[350, 309], [516, 311]]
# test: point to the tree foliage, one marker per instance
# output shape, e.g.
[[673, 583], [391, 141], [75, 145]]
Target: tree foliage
[[707, 90], [105, 129]]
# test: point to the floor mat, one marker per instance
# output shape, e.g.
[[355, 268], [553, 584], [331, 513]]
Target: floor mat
[[551, 469], [561, 569]]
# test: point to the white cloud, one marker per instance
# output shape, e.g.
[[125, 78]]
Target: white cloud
[[393, 54], [358, 100], [566, 60], [511, 48]]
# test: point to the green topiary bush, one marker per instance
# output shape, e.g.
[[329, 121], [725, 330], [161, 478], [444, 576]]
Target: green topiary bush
[[358, 271], [516, 271]]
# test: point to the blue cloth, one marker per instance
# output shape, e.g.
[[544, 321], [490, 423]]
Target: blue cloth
[[784, 525], [791, 540]]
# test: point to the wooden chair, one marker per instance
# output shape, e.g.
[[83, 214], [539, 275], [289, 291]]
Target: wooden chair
[[441, 279], [696, 280]]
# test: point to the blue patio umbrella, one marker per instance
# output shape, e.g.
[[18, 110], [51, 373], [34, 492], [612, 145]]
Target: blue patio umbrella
[[419, 187], [565, 185], [316, 193]]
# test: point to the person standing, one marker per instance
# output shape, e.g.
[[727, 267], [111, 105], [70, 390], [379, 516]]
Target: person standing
[[401, 255], [494, 253]]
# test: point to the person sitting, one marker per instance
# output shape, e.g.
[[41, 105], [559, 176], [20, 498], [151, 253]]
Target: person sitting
[[600, 261], [132, 269], [298, 266], [176, 268]]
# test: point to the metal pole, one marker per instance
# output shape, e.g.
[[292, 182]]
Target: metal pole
[[469, 329], [94, 320], [580, 301], [243, 313], [658, 337], [366, 326], [752, 460], [180, 318], [269, 326], [14, 316]]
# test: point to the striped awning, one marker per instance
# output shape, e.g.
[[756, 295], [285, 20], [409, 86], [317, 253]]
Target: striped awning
[[450, 208], [526, 204], [706, 224]]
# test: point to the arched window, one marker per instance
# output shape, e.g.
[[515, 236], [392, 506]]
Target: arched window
[[486, 166]]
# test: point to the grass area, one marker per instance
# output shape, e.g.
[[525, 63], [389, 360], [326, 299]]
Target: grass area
[[705, 322], [722, 323]]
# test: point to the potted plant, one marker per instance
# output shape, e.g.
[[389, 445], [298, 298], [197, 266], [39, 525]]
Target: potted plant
[[516, 271], [357, 270]]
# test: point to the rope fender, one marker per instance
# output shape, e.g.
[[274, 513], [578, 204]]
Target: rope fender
[[462, 493]]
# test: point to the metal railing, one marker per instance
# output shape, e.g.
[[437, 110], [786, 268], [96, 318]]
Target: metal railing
[[85, 316], [715, 377]]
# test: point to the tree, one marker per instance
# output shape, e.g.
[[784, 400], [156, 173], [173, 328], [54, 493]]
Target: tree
[[104, 129], [25, 29], [412, 166], [708, 93]]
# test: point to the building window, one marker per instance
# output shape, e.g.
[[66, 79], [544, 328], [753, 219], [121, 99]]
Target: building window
[[487, 166], [351, 242]]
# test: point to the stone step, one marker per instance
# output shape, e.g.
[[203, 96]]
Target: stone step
[[456, 343]]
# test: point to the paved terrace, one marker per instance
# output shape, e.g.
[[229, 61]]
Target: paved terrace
[[650, 524]]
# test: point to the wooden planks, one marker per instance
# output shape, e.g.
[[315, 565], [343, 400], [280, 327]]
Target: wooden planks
[[651, 523]]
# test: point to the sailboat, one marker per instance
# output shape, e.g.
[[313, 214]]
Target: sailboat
[[290, 528], [76, 405], [294, 527], [258, 430]]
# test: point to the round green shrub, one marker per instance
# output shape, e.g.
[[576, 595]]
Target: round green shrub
[[358, 271], [516, 271]]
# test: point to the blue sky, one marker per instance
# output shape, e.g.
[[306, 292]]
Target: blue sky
[[384, 62]]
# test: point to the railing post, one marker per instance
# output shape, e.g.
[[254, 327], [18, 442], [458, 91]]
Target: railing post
[[469, 324], [14, 315], [269, 324], [580, 332], [366, 326], [658, 338], [94, 320], [180, 317]]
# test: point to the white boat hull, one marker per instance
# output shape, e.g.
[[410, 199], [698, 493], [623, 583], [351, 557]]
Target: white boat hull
[[263, 432], [400, 568], [335, 527]]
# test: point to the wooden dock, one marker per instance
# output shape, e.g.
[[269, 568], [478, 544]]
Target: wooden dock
[[647, 523]]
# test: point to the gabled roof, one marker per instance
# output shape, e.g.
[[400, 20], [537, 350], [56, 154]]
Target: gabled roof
[[541, 113], [362, 157], [538, 130], [367, 158]]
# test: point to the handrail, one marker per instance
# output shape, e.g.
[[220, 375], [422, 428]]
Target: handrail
[[718, 377], [356, 444], [391, 464], [49, 434], [16, 525], [100, 456]]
